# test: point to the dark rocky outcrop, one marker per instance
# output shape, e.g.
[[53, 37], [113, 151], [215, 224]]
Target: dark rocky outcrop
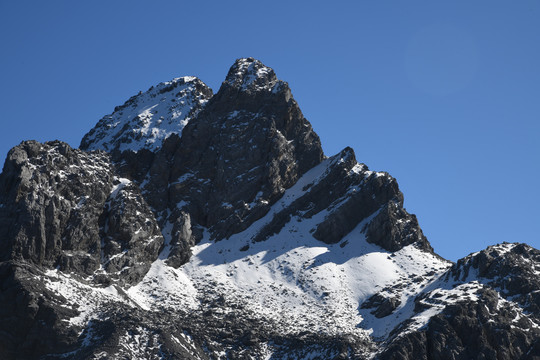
[[484, 329], [31, 316], [351, 193], [513, 269], [63, 207], [249, 144], [53, 197], [131, 236], [501, 320], [393, 227], [383, 305]]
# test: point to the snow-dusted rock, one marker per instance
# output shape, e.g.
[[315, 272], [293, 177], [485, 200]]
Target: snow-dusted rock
[[146, 119], [215, 228], [63, 207], [483, 307]]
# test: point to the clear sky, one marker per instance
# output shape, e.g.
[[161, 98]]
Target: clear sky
[[444, 95]]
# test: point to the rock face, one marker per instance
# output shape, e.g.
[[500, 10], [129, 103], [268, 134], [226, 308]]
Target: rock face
[[47, 186], [248, 145], [201, 226], [31, 315], [64, 208], [494, 316]]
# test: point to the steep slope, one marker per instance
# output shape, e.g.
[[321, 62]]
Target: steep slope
[[147, 119], [485, 307], [65, 208], [215, 228]]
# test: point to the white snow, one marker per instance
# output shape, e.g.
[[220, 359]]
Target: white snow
[[147, 119], [122, 182], [441, 297], [85, 298], [291, 279], [164, 286]]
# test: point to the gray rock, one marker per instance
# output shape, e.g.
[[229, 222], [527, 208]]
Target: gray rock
[[470, 330], [59, 210], [393, 228], [512, 268], [182, 239], [502, 323], [249, 144], [383, 305], [131, 237], [31, 316], [52, 199], [102, 219]]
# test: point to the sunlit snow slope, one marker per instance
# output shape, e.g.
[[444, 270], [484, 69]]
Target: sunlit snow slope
[[293, 280], [146, 119]]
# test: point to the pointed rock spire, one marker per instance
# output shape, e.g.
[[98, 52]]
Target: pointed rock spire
[[251, 75]]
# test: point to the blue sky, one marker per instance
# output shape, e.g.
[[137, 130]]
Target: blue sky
[[445, 96]]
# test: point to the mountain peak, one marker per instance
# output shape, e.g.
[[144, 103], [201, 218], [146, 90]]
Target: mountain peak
[[235, 237], [251, 74], [147, 119]]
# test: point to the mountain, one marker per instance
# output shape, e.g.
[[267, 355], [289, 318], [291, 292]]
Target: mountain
[[193, 225], [147, 119]]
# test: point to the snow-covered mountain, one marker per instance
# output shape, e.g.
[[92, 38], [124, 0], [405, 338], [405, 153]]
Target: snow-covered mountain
[[146, 119], [199, 226]]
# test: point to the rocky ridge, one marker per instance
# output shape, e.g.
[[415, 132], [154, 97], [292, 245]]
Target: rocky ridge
[[484, 307], [206, 226], [147, 119]]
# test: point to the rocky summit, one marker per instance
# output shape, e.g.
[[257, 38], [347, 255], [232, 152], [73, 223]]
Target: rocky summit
[[194, 225]]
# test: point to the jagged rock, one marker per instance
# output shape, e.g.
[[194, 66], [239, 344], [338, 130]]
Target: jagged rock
[[483, 329], [131, 237], [481, 318], [182, 239], [234, 159], [215, 227], [247, 146], [351, 193], [52, 199], [31, 316], [62, 207], [393, 228], [512, 268], [383, 305], [368, 192], [338, 176]]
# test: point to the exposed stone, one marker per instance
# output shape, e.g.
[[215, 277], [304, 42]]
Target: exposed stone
[[383, 305], [63, 208], [96, 222], [131, 236], [31, 316], [247, 146], [470, 330], [182, 239], [393, 228], [52, 199]]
